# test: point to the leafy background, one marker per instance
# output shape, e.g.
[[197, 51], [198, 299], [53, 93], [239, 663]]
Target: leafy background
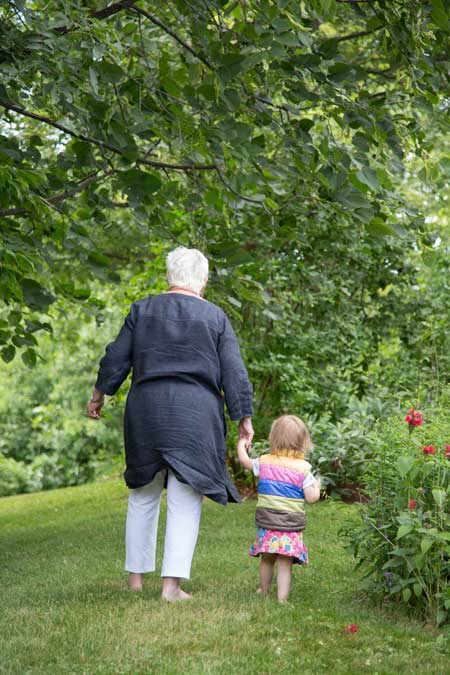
[[303, 146]]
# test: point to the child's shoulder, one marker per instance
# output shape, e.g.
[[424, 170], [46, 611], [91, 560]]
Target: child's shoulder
[[294, 463]]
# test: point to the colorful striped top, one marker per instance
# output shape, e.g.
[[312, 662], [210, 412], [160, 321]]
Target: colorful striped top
[[281, 500]]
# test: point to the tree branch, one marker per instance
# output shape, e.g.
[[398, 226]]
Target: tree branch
[[60, 197], [357, 34], [169, 31], [384, 73], [65, 194], [104, 13], [10, 105]]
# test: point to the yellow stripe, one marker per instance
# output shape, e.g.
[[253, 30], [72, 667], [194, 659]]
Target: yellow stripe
[[281, 503], [297, 465]]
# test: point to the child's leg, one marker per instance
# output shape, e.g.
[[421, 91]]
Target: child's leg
[[284, 577], [266, 571]]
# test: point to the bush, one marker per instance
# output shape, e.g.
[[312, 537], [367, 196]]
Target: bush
[[46, 440], [402, 541], [14, 476], [342, 449]]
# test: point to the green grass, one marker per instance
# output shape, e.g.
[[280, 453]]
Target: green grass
[[64, 606]]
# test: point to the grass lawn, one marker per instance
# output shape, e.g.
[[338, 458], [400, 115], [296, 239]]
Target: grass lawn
[[64, 607]]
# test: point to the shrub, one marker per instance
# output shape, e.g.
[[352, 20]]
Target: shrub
[[402, 540], [14, 476], [342, 449]]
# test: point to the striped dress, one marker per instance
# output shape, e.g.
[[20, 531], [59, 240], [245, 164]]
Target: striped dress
[[280, 510]]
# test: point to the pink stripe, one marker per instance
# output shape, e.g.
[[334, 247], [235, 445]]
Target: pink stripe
[[282, 473]]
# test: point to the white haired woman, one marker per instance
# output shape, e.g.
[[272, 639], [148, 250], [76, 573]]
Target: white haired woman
[[186, 361]]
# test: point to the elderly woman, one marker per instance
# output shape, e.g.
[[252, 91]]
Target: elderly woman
[[185, 360]]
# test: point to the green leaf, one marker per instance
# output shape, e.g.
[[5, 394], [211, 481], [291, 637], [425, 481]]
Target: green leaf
[[418, 590], [404, 465], [351, 198], [406, 593], [440, 15], [379, 228], [369, 178], [35, 295], [109, 72], [29, 357], [403, 530], [23, 340], [8, 353], [97, 259], [139, 186], [439, 496], [231, 65], [4, 336], [441, 616], [426, 544]]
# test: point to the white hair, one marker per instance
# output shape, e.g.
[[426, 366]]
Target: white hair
[[187, 268]]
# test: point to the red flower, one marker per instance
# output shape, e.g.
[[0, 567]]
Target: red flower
[[352, 628], [412, 504], [428, 449], [414, 419], [447, 451]]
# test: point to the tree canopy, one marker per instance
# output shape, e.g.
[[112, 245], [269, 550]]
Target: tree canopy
[[272, 134]]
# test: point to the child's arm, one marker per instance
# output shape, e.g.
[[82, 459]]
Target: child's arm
[[244, 459], [312, 492]]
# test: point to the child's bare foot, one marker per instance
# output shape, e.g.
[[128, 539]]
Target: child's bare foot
[[135, 581], [176, 595]]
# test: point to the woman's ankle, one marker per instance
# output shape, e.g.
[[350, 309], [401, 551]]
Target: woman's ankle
[[135, 581]]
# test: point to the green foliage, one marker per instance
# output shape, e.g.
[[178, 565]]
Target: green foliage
[[47, 440], [14, 476], [343, 448], [403, 542], [211, 124], [299, 145]]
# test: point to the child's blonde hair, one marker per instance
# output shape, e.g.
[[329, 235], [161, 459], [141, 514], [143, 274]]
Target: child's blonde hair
[[289, 436]]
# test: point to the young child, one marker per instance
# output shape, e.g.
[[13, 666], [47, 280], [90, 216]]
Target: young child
[[285, 481]]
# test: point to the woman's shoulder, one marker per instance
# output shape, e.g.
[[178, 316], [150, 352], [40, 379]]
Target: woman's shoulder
[[180, 305]]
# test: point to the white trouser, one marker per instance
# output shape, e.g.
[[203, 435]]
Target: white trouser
[[184, 507]]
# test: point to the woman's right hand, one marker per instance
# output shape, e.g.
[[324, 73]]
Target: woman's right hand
[[246, 430]]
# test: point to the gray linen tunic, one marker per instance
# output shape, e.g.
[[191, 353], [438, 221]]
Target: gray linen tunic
[[183, 353]]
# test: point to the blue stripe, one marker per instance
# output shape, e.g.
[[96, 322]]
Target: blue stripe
[[280, 489]]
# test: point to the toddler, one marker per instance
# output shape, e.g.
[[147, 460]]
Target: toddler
[[285, 481]]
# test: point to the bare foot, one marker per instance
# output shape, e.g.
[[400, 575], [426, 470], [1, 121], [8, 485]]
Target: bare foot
[[135, 581], [176, 595]]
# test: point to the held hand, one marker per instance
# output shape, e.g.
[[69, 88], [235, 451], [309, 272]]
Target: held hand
[[246, 432]]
